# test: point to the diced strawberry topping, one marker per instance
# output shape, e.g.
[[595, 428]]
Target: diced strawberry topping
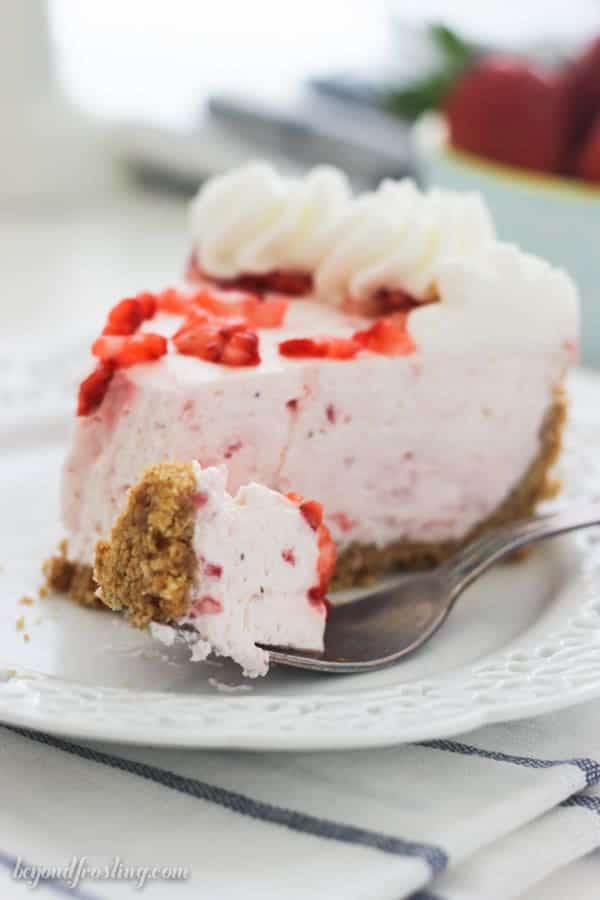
[[320, 348], [200, 339], [173, 301], [148, 304], [285, 281], [106, 347], [93, 388], [126, 317], [388, 300], [388, 336], [255, 310], [205, 605], [289, 556], [330, 413], [300, 347], [312, 512], [342, 348], [269, 311], [214, 570], [129, 351], [215, 342], [199, 499], [241, 349]]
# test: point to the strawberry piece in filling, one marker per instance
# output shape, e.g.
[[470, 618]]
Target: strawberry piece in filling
[[313, 513], [205, 605]]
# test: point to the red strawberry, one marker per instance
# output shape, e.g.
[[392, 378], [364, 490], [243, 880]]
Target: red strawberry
[[141, 348], [327, 557], [258, 312], [331, 347], [511, 111], [583, 84], [241, 349], [211, 303], [106, 347], [341, 348], [201, 340], [173, 301], [588, 160], [388, 336], [300, 347], [93, 388], [268, 312], [231, 344], [288, 281], [148, 304], [312, 512], [284, 281], [126, 317], [127, 351]]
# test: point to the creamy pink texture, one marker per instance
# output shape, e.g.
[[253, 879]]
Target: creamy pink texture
[[419, 447], [244, 591]]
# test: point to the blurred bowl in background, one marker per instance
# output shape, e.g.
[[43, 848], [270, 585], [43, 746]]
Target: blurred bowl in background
[[556, 218]]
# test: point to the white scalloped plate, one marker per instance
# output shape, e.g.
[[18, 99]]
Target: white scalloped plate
[[524, 641]]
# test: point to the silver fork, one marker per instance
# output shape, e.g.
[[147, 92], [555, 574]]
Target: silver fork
[[393, 619]]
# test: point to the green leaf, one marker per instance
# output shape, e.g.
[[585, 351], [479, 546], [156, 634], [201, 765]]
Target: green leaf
[[428, 92], [450, 44]]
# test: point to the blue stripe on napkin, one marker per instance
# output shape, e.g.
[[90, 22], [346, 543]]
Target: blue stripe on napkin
[[589, 767], [435, 857], [583, 801]]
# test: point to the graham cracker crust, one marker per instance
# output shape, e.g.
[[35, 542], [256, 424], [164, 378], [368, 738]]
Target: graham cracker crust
[[70, 578], [147, 565]]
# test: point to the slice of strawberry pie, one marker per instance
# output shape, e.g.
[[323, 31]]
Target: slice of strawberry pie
[[384, 354], [216, 571]]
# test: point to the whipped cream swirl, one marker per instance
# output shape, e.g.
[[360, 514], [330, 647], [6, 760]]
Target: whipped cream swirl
[[502, 297], [254, 220], [438, 244], [397, 237]]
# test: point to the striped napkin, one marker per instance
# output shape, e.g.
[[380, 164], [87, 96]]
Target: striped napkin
[[500, 813]]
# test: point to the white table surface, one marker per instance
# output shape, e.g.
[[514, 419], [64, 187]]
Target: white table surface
[[62, 268]]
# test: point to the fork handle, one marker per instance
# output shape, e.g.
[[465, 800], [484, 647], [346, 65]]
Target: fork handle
[[484, 552]]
